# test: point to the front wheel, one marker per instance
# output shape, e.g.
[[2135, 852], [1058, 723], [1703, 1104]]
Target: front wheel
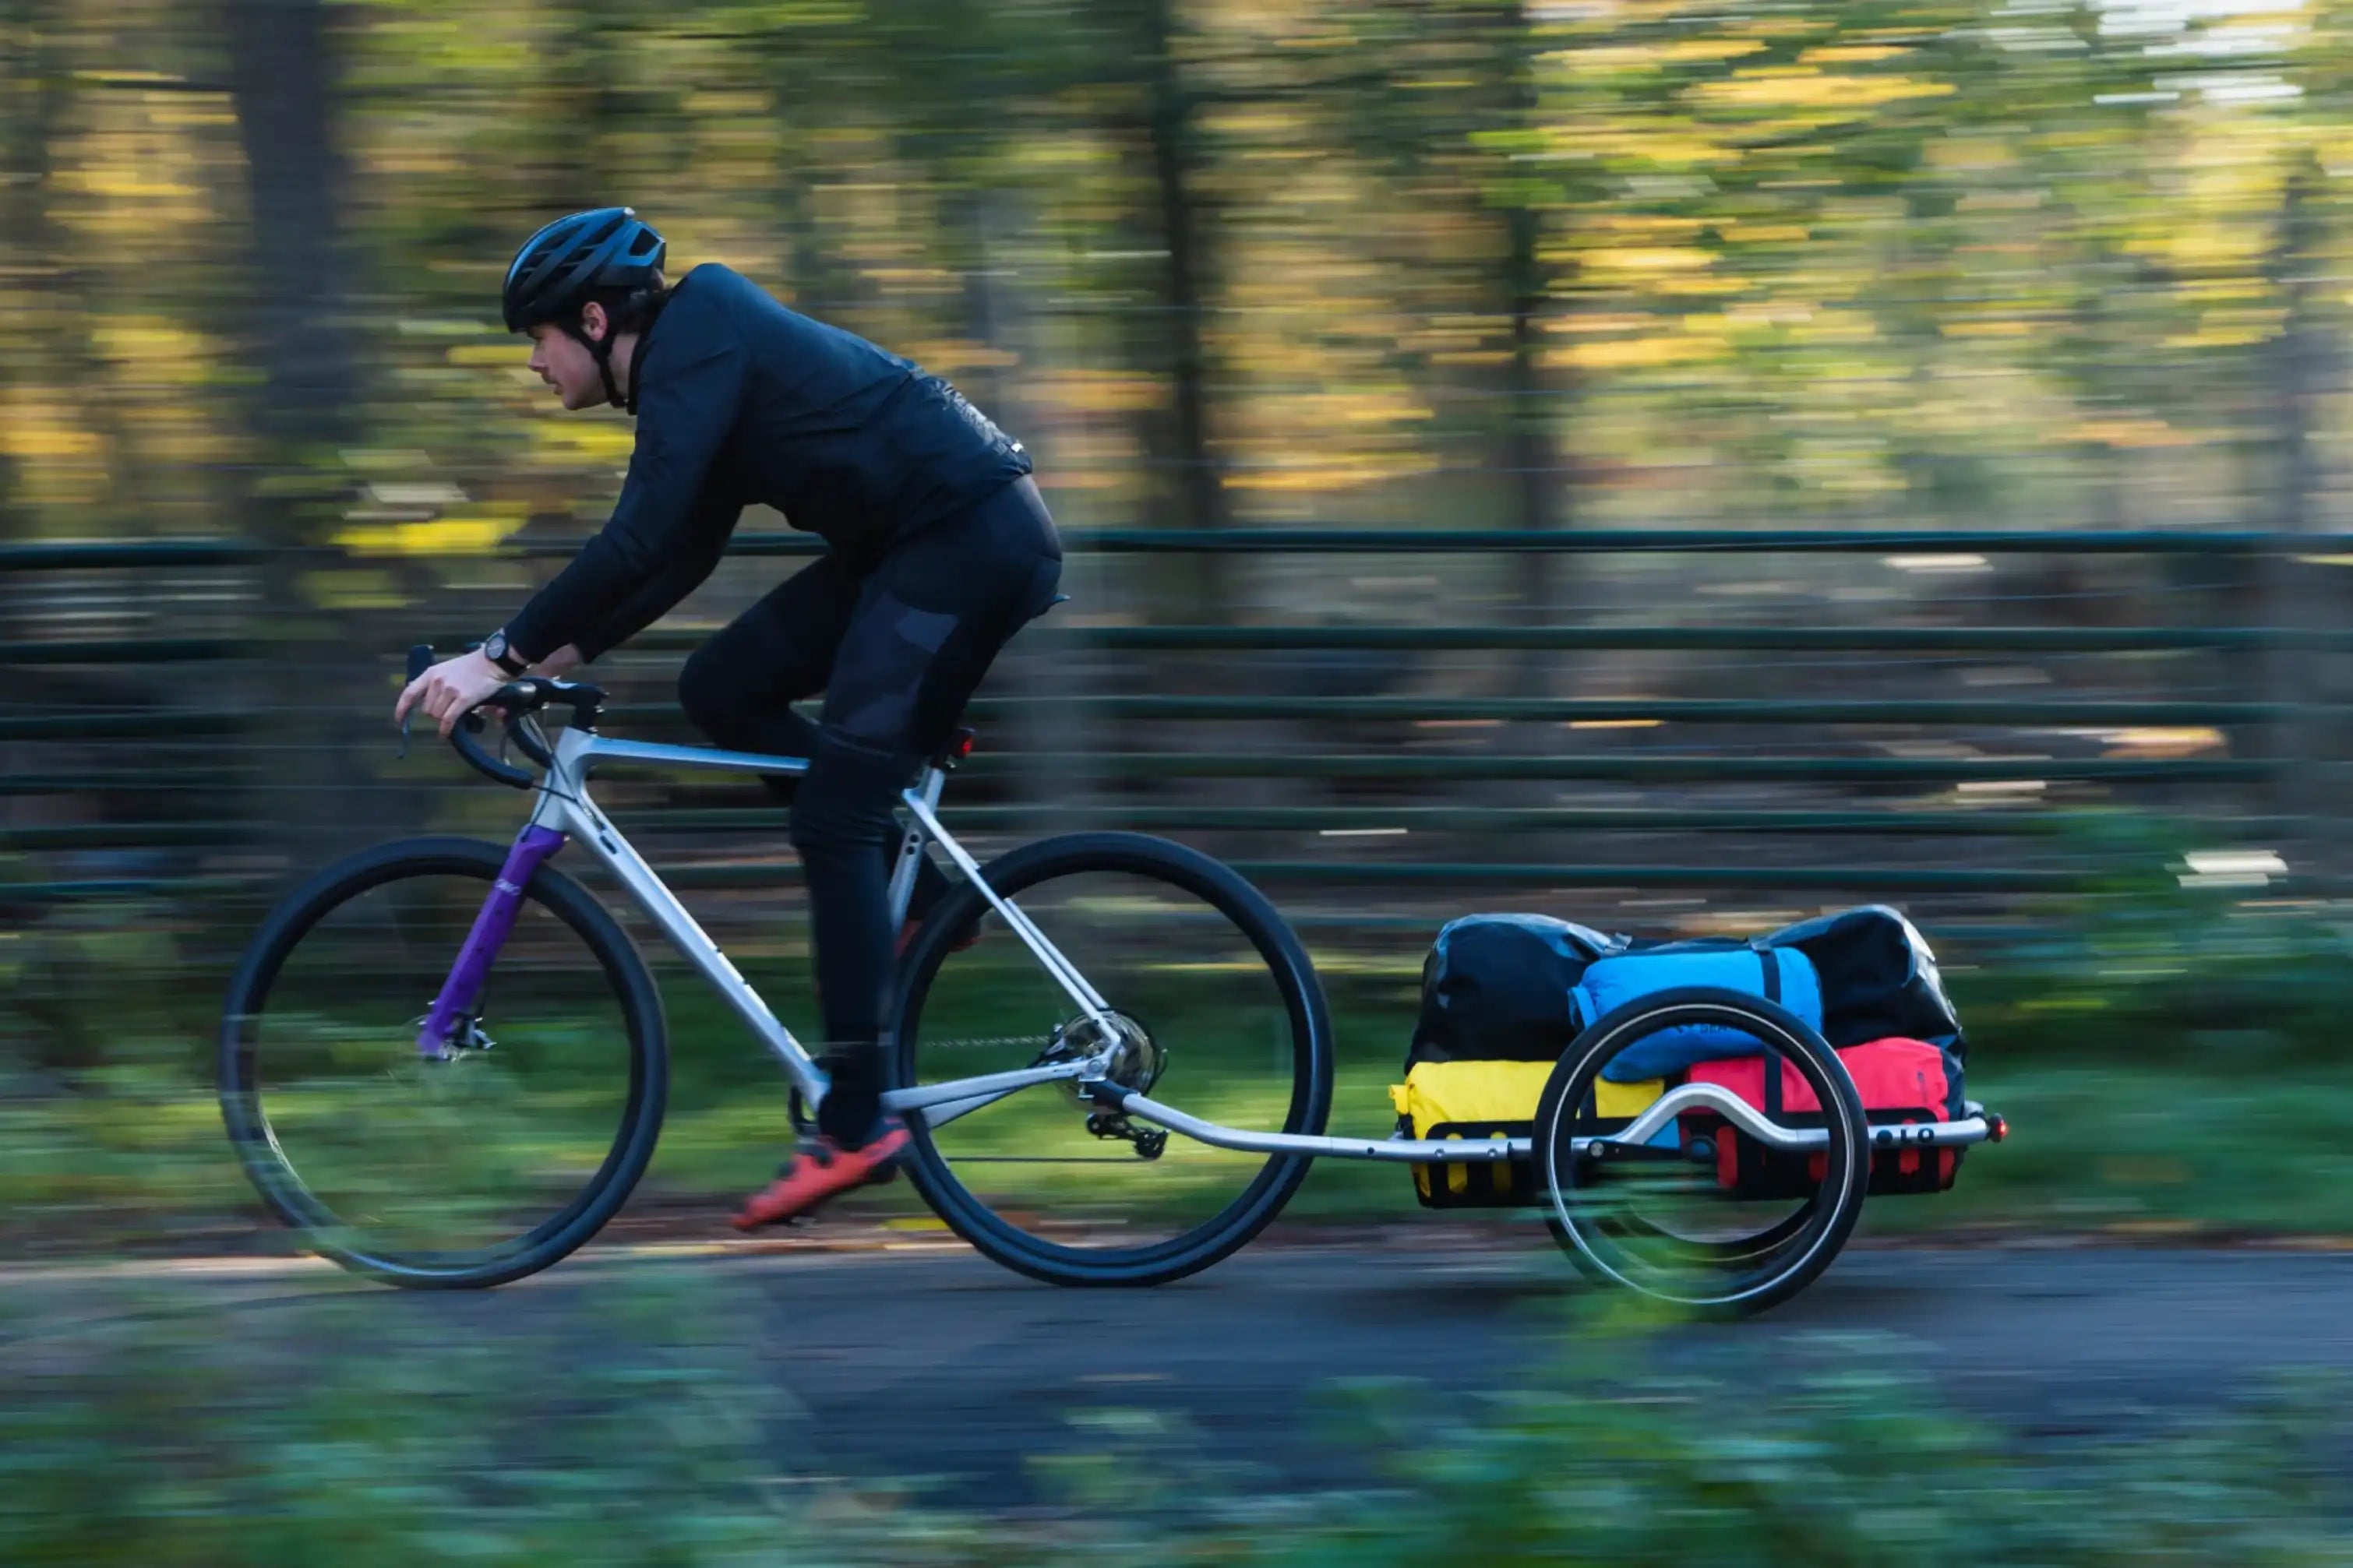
[[482, 1166], [1219, 1015]]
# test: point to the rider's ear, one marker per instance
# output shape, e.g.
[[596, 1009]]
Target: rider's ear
[[594, 321]]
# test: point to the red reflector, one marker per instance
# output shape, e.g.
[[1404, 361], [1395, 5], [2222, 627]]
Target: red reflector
[[2001, 1128], [964, 748]]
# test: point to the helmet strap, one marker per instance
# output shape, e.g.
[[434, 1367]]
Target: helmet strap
[[640, 310], [601, 351]]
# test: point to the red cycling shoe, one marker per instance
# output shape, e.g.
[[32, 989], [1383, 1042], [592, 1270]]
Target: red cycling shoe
[[820, 1170]]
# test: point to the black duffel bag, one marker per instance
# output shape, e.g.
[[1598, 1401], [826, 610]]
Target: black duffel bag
[[1496, 988], [1879, 979]]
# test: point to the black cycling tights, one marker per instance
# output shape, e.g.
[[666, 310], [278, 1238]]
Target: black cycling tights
[[897, 649]]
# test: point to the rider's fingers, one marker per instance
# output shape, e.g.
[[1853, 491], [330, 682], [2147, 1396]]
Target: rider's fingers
[[408, 695], [456, 704], [438, 698]]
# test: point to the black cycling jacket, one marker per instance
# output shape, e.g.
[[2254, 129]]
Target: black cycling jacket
[[741, 400]]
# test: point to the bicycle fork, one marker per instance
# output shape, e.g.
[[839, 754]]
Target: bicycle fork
[[531, 848]]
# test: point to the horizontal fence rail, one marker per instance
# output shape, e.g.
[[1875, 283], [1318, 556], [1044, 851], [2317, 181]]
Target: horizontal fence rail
[[1439, 711], [79, 554], [1328, 821], [1429, 639], [1856, 880]]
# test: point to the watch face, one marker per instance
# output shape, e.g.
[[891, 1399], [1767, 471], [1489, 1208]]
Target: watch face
[[495, 649]]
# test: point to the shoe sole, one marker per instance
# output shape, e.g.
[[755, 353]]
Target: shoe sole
[[882, 1175]]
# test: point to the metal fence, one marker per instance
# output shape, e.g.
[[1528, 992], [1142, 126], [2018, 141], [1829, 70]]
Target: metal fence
[[1676, 725]]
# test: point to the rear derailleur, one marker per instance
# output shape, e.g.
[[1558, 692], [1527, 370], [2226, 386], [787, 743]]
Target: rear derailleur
[[1148, 1140], [1131, 1064]]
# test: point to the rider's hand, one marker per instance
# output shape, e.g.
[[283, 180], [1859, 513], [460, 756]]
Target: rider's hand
[[560, 663], [447, 691]]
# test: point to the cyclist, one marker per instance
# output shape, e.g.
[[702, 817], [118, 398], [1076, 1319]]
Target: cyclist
[[938, 550]]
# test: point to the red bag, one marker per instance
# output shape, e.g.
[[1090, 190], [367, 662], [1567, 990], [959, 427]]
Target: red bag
[[1900, 1081]]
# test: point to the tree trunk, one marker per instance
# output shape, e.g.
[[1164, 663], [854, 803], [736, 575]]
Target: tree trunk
[[2301, 372], [282, 77], [1526, 447], [1528, 450], [1172, 131]]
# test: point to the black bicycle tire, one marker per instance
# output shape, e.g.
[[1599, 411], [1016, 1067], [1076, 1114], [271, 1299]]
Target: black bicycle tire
[[1233, 1226], [553, 1238], [1850, 1145]]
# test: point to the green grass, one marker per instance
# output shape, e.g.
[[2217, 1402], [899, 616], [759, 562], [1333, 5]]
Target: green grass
[[2204, 1098], [2096, 1145], [2100, 1145]]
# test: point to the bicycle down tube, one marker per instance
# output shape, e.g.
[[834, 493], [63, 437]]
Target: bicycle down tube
[[564, 813]]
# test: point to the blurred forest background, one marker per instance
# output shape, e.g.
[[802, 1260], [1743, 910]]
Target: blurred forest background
[[1674, 464], [1895, 449]]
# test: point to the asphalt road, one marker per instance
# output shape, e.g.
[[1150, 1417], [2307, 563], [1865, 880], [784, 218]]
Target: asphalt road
[[929, 1362]]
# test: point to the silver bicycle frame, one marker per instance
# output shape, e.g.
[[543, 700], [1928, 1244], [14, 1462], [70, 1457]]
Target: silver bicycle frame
[[563, 806]]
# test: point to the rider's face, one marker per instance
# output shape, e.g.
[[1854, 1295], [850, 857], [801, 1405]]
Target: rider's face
[[565, 363]]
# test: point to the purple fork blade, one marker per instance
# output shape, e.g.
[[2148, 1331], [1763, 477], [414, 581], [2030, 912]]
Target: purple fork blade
[[482, 943]]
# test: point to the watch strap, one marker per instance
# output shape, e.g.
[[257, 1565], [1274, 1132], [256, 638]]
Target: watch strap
[[496, 650]]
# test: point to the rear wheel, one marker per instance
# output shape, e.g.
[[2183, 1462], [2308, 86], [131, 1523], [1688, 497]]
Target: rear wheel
[[465, 1172], [1219, 1014]]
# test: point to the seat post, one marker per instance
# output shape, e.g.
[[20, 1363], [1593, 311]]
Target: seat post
[[911, 843]]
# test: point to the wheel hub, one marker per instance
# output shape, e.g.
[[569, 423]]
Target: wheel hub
[[1132, 1064], [465, 1035]]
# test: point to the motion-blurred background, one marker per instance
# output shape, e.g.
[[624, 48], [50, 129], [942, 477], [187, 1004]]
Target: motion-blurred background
[[1679, 466]]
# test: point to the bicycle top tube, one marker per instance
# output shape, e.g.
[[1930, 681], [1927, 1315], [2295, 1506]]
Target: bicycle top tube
[[521, 699], [600, 749], [595, 751]]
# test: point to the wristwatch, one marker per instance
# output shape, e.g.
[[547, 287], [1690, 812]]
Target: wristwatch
[[495, 649]]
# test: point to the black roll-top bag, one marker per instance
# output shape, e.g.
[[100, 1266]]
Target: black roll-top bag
[[1496, 988]]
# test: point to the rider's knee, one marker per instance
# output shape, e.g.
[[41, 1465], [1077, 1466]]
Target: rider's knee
[[706, 694], [845, 800]]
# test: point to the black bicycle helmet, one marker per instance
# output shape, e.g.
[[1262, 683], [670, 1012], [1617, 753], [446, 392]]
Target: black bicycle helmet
[[574, 259], [558, 268]]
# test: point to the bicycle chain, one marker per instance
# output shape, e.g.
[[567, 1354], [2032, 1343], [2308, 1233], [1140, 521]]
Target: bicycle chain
[[987, 1042]]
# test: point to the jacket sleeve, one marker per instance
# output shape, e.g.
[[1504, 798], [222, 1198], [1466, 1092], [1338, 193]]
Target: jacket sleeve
[[684, 415], [679, 576]]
